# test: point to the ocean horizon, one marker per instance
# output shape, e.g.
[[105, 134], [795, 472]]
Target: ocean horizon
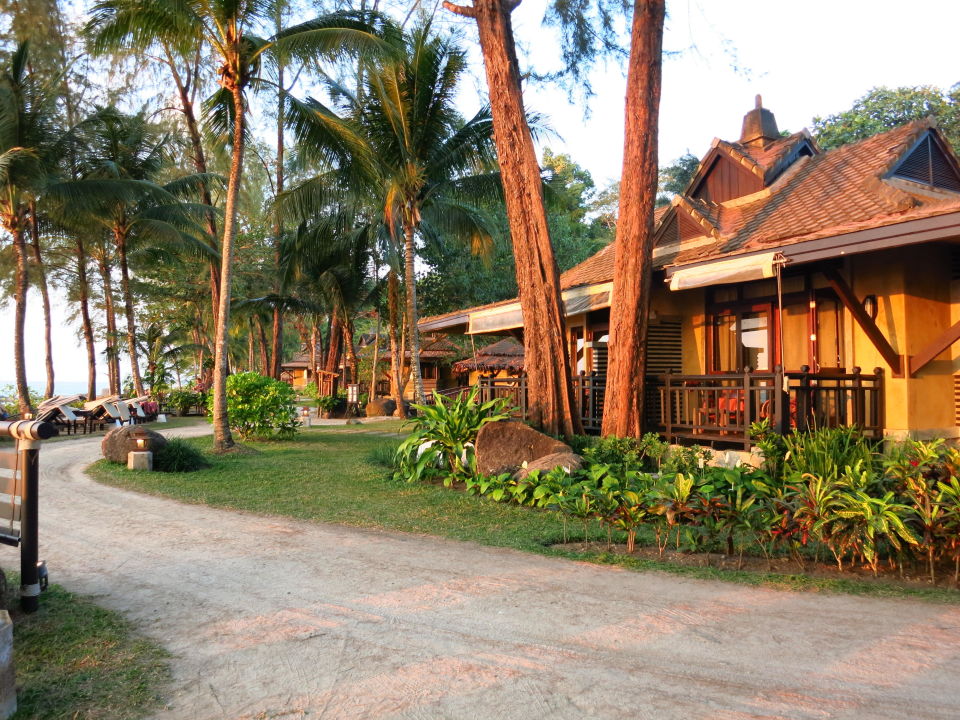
[[60, 387]]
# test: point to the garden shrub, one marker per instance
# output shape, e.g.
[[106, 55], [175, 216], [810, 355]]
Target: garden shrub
[[178, 455], [441, 445], [260, 407], [184, 400], [383, 454]]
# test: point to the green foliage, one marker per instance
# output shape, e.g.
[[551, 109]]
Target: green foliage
[[259, 407], [674, 178], [326, 403], [183, 401], [383, 454], [441, 445], [884, 108], [179, 455], [8, 399]]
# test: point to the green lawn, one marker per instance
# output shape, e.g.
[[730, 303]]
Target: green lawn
[[77, 660], [338, 474]]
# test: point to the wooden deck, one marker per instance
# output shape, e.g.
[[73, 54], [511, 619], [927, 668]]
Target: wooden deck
[[719, 409]]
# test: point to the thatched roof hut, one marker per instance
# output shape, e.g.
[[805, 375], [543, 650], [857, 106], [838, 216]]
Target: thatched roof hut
[[506, 354]]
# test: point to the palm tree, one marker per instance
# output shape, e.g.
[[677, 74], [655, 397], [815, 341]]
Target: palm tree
[[227, 27], [423, 167], [122, 155], [25, 136]]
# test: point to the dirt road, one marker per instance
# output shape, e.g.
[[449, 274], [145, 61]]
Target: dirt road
[[270, 618]]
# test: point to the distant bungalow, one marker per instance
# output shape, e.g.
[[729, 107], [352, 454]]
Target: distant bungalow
[[831, 275]]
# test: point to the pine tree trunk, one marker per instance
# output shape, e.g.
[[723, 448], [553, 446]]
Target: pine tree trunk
[[21, 286], [83, 291], [222, 438], [113, 356], [550, 393], [120, 237], [45, 299], [372, 392], [632, 274], [409, 249], [396, 350], [313, 353]]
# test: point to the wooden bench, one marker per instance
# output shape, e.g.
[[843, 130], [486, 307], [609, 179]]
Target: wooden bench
[[11, 497]]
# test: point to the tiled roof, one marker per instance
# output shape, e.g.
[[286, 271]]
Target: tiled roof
[[831, 193]]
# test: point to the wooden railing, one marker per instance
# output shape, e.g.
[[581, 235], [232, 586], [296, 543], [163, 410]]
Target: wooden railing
[[588, 396], [719, 409]]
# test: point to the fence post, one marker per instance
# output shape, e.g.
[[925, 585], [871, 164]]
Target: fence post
[[803, 399], [666, 406], [746, 413], [879, 407], [29, 540], [781, 399], [859, 418]]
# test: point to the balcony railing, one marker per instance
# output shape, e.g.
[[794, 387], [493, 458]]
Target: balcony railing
[[719, 409]]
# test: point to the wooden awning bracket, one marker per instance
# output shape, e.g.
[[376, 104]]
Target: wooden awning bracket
[[866, 323], [936, 346]]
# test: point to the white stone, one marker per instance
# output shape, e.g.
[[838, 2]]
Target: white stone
[[140, 460]]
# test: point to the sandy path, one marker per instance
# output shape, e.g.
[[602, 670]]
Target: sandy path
[[270, 618]]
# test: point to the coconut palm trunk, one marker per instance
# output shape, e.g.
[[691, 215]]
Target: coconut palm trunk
[[120, 238], [396, 349], [199, 158], [549, 391], [41, 281], [411, 280], [222, 438], [21, 286], [113, 356], [632, 275], [83, 292]]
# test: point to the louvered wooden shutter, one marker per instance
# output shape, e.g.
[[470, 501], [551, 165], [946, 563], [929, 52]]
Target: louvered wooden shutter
[[928, 164]]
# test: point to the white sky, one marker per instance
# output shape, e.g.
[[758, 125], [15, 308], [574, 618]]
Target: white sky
[[806, 59]]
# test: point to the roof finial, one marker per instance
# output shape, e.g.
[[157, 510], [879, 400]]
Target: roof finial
[[759, 101]]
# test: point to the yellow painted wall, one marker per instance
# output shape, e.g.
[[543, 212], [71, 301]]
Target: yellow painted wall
[[913, 289]]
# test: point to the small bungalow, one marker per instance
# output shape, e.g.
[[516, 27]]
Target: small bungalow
[[437, 354], [501, 359], [806, 286]]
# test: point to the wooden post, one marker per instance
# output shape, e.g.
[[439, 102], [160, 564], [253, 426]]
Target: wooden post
[[666, 410], [746, 413], [803, 400], [781, 402], [880, 408], [29, 541], [859, 416]]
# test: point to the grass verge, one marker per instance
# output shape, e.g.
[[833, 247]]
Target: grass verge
[[75, 659], [338, 475]]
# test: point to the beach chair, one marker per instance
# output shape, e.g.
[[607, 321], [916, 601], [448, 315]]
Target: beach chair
[[68, 417]]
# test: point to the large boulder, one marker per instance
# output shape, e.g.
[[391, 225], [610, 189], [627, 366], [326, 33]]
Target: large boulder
[[570, 461], [118, 442], [503, 447], [380, 406]]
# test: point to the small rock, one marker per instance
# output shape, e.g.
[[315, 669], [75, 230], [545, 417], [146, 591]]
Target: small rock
[[568, 460]]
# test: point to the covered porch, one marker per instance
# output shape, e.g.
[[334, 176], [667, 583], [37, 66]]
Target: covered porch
[[719, 409]]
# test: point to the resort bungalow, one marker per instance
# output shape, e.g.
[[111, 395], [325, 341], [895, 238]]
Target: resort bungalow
[[437, 354], [501, 359], [806, 286]]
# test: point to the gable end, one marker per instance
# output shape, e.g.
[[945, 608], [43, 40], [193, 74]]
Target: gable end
[[929, 163]]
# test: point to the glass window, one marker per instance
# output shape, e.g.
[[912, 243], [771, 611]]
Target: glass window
[[755, 340], [829, 333]]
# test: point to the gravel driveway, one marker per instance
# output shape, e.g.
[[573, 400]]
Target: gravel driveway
[[272, 618]]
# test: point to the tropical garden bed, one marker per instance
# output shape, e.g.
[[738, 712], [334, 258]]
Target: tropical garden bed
[[342, 474]]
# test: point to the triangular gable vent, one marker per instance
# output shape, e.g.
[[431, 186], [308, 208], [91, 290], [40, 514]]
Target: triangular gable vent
[[927, 163]]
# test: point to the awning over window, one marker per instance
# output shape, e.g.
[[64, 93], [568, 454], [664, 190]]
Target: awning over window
[[742, 269], [508, 317]]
